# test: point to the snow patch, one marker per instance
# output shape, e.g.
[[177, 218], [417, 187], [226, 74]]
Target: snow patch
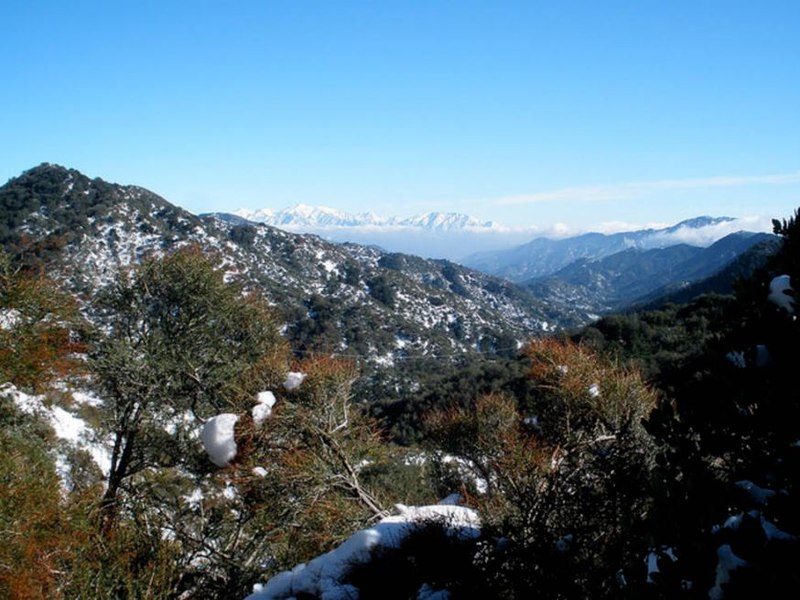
[[727, 561], [759, 494], [218, 438], [781, 293], [322, 577], [262, 410], [68, 427], [293, 380], [736, 358], [9, 318]]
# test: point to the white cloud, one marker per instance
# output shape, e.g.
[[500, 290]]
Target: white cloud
[[626, 191], [705, 236]]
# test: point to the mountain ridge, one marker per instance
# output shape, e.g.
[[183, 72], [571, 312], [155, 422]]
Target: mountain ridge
[[302, 216], [593, 287], [544, 256], [345, 299]]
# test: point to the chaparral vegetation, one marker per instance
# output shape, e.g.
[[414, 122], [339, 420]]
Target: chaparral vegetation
[[175, 434]]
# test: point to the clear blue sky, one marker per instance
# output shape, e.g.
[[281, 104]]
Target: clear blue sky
[[529, 113]]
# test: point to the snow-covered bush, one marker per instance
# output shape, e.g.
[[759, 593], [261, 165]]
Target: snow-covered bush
[[377, 562]]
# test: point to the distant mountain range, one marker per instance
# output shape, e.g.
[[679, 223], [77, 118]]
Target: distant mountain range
[[308, 218], [515, 253], [362, 299], [543, 256], [587, 288], [581, 277], [431, 235]]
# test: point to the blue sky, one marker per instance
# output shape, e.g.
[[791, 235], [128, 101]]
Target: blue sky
[[528, 113]]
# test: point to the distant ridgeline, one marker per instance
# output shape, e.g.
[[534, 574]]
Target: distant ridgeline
[[356, 301]]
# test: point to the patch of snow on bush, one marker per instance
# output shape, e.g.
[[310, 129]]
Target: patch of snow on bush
[[736, 358], [426, 592], [322, 576], [780, 293], [260, 414], [218, 440], [727, 561], [9, 318], [267, 398], [759, 494], [293, 380], [763, 357], [73, 430], [262, 410]]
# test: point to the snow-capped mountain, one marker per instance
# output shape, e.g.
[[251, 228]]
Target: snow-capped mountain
[[353, 298], [515, 253], [304, 219], [307, 219], [445, 235]]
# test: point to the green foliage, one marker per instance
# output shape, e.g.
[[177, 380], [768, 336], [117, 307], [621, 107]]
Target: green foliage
[[35, 529], [567, 484], [727, 424], [184, 345], [58, 206], [424, 385], [243, 235], [382, 290], [661, 342], [181, 341], [51, 545]]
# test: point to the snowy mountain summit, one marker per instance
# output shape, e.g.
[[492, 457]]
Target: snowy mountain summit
[[302, 218]]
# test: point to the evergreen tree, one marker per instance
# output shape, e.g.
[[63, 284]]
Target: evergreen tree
[[182, 345]]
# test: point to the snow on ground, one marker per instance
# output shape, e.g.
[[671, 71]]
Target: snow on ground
[[465, 468], [323, 576], [86, 398], [66, 425], [330, 267], [9, 318]]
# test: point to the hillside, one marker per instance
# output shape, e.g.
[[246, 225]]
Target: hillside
[[347, 299], [595, 287], [742, 267]]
